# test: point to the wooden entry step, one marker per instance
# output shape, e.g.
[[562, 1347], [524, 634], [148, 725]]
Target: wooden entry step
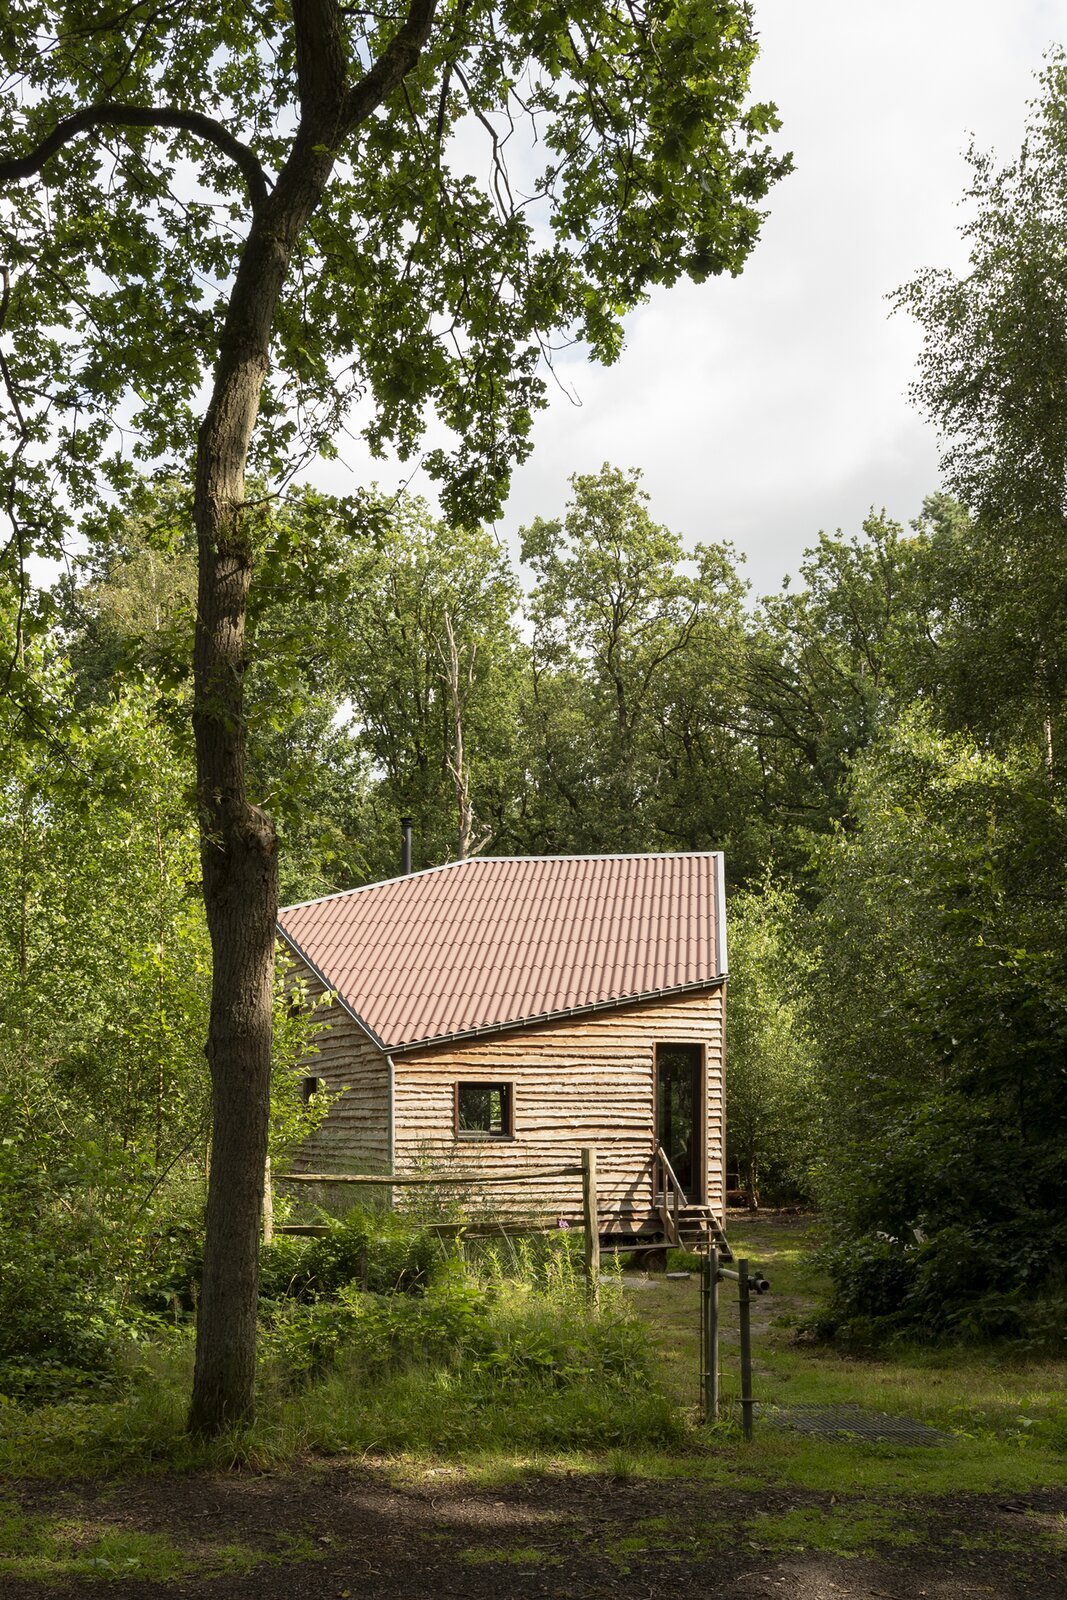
[[699, 1229]]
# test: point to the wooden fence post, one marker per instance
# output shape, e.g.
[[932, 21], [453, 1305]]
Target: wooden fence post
[[268, 1205], [592, 1229]]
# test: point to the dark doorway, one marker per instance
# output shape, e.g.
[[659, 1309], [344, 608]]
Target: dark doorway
[[679, 1123]]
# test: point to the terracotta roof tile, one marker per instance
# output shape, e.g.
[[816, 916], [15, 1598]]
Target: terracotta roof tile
[[494, 942]]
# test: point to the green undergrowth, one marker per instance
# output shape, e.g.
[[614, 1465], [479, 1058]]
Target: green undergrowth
[[493, 1369], [472, 1361], [376, 1250]]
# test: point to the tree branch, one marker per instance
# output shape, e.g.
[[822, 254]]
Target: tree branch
[[125, 116], [398, 58]]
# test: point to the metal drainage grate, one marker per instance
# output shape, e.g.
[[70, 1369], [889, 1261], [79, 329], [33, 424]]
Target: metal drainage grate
[[830, 1422]]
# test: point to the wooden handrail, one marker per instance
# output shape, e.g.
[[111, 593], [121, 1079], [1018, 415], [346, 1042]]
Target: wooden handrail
[[669, 1170], [673, 1193]]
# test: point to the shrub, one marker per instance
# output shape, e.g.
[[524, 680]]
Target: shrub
[[464, 1366], [382, 1250], [959, 1284], [57, 1327]]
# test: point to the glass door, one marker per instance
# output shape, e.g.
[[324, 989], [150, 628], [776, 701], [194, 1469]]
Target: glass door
[[679, 1122]]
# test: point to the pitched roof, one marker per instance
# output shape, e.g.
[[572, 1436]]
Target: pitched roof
[[496, 942]]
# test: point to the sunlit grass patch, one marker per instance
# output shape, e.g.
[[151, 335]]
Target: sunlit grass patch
[[521, 1556], [1050, 1529], [43, 1548], [847, 1529], [977, 1467], [985, 1391]]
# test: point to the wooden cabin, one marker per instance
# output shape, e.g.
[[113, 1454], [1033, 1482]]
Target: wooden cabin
[[497, 1015]]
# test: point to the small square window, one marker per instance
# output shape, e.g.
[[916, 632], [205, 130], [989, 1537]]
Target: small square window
[[484, 1111], [309, 1088]]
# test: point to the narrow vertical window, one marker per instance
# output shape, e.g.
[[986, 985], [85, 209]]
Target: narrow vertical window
[[680, 1113]]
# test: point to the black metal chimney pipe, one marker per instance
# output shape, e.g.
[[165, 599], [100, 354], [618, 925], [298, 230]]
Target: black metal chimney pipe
[[405, 848]]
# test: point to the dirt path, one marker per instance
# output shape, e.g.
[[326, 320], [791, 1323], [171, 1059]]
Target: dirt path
[[337, 1533]]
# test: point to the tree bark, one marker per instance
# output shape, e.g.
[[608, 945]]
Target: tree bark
[[457, 763], [238, 842]]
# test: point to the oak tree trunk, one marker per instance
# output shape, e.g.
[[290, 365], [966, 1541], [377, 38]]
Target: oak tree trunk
[[238, 842]]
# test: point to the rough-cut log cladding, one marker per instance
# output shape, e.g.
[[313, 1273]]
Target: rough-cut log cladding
[[355, 1136], [587, 1081], [583, 1081]]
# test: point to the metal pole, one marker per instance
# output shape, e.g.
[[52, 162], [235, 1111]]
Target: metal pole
[[704, 1342], [592, 1229], [709, 1328], [744, 1305], [713, 1337]]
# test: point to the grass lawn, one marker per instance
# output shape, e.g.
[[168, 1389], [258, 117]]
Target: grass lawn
[[1006, 1413]]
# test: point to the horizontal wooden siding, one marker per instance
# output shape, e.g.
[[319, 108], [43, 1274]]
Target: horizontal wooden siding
[[584, 1081], [355, 1135]]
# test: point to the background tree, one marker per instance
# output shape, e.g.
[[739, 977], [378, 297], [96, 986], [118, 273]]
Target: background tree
[[772, 1084], [616, 606], [941, 984], [939, 1004], [828, 665], [993, 377], [126, 611], [420, 286], [430, 658]]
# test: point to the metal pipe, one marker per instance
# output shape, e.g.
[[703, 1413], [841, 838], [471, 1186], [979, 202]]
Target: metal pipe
[[405, 845], [710, 1335], [745, 1306]]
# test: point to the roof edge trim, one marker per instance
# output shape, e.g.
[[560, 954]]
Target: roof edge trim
[[336, 993], [515, 1025], [720, 915]]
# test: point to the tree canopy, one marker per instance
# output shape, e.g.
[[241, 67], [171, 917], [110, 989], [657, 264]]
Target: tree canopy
[[219, 230]]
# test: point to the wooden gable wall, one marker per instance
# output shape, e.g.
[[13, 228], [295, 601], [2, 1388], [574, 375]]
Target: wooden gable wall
[[586, 1080], [355, 1135]]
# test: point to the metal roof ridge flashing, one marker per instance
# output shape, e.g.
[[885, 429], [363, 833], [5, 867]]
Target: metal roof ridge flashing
[[722, 959], [470, 861], [381, 883]]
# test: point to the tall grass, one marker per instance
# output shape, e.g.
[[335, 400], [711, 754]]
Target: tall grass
[[488, 1347]]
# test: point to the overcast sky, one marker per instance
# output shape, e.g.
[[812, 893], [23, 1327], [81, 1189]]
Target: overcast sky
[[763, 408]]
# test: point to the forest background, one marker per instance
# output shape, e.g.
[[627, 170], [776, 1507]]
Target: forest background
[[878, 751]]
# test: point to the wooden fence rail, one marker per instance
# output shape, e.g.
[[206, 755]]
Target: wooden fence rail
[[587, 1173], [390, 1179]]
